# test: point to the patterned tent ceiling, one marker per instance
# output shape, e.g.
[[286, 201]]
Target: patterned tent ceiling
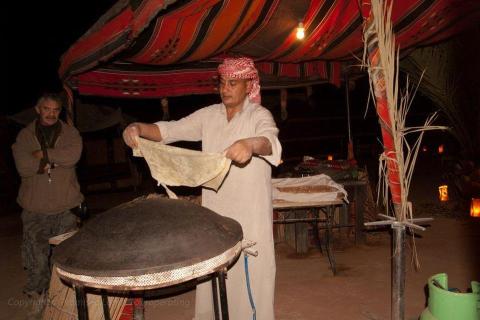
[[156, 48]]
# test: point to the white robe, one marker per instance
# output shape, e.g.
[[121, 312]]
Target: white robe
[[245, 196]]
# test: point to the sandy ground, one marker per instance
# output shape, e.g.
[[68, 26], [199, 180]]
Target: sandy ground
[[305, 287]]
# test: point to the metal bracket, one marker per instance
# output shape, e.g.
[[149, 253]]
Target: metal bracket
[[411, 223], [246, 244]]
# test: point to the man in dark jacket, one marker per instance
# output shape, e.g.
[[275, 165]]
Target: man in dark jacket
[[45, 154]]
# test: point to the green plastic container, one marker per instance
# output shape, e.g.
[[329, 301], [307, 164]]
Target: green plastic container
[[447, 305]]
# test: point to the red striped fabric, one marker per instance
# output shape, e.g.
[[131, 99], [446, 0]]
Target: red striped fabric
[[173, 34]]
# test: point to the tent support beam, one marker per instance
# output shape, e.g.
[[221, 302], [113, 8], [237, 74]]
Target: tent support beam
[[398, 272], [398, 261], [69, 105], [350, 155]]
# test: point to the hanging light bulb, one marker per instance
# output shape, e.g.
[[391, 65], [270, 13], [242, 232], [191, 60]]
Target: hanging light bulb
[[300, 31]]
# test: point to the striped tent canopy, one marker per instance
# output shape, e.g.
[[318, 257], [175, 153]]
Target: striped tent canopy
[[158, 48]]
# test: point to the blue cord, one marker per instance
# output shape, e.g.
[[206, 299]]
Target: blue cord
[[250, 296]]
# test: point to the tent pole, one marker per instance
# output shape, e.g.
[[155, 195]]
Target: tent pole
[[283, 104], [393, 174], [165, 109], [398, 272], [350, 155], [69, 97], [347, 99]]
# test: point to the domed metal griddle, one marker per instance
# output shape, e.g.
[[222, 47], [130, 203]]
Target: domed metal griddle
[[150, 242]]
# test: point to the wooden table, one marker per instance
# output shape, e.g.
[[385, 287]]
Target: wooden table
[[301, 220]]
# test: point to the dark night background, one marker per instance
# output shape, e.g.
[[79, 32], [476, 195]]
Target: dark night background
[[37, 34]]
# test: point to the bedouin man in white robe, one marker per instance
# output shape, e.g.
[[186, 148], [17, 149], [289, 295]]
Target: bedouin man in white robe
[[246, 132]]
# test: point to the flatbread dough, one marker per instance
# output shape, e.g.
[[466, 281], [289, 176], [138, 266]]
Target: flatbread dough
[[308, 189], [174, 166]]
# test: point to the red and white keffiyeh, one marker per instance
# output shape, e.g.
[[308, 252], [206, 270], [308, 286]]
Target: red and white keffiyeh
[[242, 68]]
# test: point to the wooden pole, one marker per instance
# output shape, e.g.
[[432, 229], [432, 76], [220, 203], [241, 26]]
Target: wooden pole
[[378, 80], [398, 272], [69, 107], [165, 109], [283, 104], [350, 155]]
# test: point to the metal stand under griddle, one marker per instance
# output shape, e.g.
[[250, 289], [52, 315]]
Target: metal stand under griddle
[[220, 294]]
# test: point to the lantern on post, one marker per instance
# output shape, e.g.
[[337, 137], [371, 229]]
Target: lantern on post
[[330, 157], [443, 193], [475, 208], [441, 149]]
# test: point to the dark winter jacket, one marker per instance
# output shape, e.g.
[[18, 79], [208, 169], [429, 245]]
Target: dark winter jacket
[[39, 192]]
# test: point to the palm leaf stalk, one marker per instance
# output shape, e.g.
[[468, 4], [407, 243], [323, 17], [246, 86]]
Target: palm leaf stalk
[[398, 159]]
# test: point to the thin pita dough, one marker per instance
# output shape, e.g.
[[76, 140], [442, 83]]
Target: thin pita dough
[[174, 166]]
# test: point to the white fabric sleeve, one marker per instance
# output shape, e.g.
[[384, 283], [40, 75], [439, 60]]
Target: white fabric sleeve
[[188, 128], [265, 127]]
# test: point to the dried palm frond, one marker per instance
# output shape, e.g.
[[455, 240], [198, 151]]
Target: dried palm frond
[[397, 162]]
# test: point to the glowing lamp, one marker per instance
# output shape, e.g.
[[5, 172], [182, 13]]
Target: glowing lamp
[[440, 149], [443, 193], [475, 208], [300, 31], [330, 157], [424, 149]]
